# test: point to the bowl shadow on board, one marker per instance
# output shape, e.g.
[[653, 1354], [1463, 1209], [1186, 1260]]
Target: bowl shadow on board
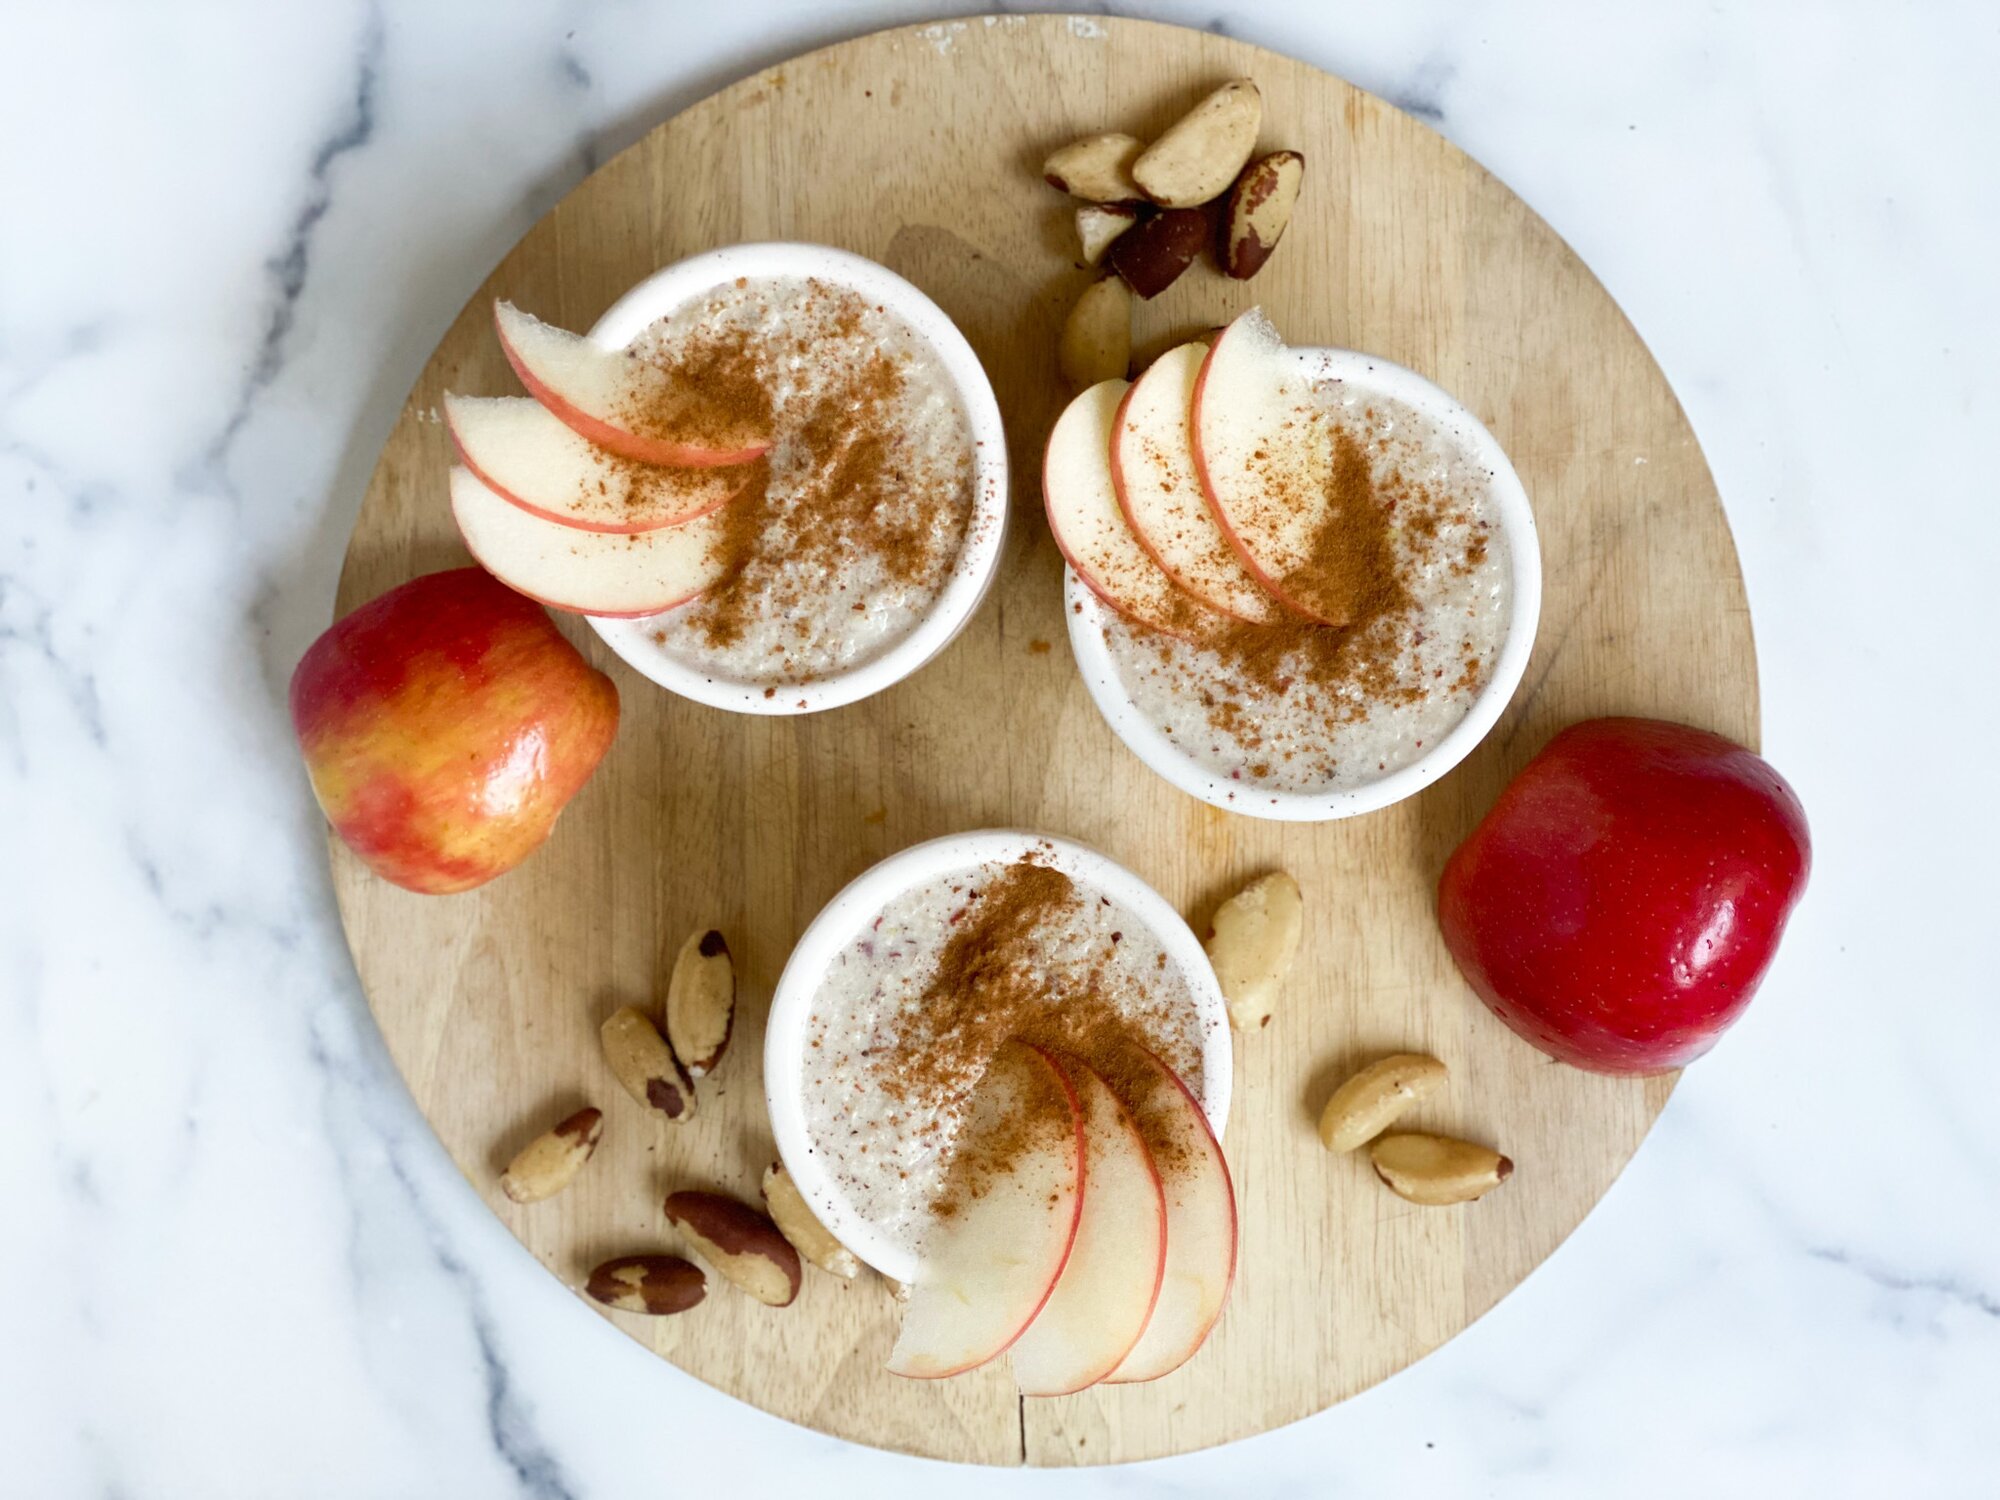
[[986, 299]]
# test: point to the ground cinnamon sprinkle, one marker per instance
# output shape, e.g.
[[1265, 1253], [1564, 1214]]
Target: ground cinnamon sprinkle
[[1378, 527], [845, 491], [1349, 572], [711, 395], [991, 986]]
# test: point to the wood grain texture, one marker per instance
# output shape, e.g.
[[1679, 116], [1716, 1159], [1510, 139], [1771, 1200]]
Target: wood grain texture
[[920, 148]]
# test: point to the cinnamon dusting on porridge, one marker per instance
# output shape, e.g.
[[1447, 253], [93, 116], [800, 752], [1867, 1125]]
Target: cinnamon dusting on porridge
[[908, 1017], [842, 536], [1408, 556]]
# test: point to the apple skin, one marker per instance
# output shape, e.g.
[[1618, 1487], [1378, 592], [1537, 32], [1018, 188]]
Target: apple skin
[[1620, 904], [445, 725]]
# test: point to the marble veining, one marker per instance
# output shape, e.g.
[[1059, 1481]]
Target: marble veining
[[238, 1264]]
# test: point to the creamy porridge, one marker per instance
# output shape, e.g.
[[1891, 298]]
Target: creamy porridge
[[1305, 708], [851, 525], [914, 1005]]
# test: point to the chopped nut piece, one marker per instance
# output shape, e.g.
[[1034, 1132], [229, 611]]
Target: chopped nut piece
[[799, 1224], [701, 1003], [1260, 206], [1098, 168], [1152, 256], [742, 1244], [1201, 153], [1252, 942], [1370, 1102], [1097, 335], [646, 1065], [1098, 224], [1435, 1169], [549, 1163]]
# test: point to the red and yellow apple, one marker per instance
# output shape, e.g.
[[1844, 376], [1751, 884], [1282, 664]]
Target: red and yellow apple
[[1620, 904], [445, 725]]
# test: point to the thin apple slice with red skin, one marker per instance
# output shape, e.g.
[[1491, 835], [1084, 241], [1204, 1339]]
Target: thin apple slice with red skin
[[621, 576], [618, 401], [1152, 469], [1015, 1190], [524, 453], [1201, 1219], [1265, 465], [1101, 1305], [1090, 529]]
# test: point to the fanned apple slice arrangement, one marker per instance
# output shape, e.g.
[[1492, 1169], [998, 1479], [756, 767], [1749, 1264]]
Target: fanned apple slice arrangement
[[597, 492], [1186, 497], [1092, 1234]]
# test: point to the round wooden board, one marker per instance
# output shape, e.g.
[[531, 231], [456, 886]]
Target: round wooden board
[[920, 148]]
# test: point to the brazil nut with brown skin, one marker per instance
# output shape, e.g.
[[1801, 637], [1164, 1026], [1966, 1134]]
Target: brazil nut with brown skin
[[1436, 1170], [799, 1224], [701, 1002], [549, 1163], [1152, 256], [1258, 209], [655, 1285], [642, 1061], [743, 1245]]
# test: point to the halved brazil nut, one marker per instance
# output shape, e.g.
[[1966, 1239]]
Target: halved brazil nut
[[1152, 256], [652, 1284], [1252, 942], [1202, 151], [701, 1003], [549, 1163], [799, 1224], [1435, 1169], [1097, 336], [743, 1245], [643, 1062], [1097, 168], [1260, 206], [1370, 1102]]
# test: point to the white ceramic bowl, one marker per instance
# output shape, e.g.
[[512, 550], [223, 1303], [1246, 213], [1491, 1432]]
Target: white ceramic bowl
[[844, 916], [979, 561], [1087, 614]]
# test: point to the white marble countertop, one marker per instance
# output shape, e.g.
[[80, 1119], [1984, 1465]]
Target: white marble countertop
[[235, 1263]]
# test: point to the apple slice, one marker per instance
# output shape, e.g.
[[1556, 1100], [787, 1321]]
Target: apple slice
[[619, 401], [523, 452], [1091, 530], [1265, 465], [1016, 1191], [1201, 1218], [1100, 1306], [587, 572], [1152, 468]]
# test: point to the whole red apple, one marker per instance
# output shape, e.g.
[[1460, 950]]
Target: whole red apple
[[445, 725], [1620, 903]]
